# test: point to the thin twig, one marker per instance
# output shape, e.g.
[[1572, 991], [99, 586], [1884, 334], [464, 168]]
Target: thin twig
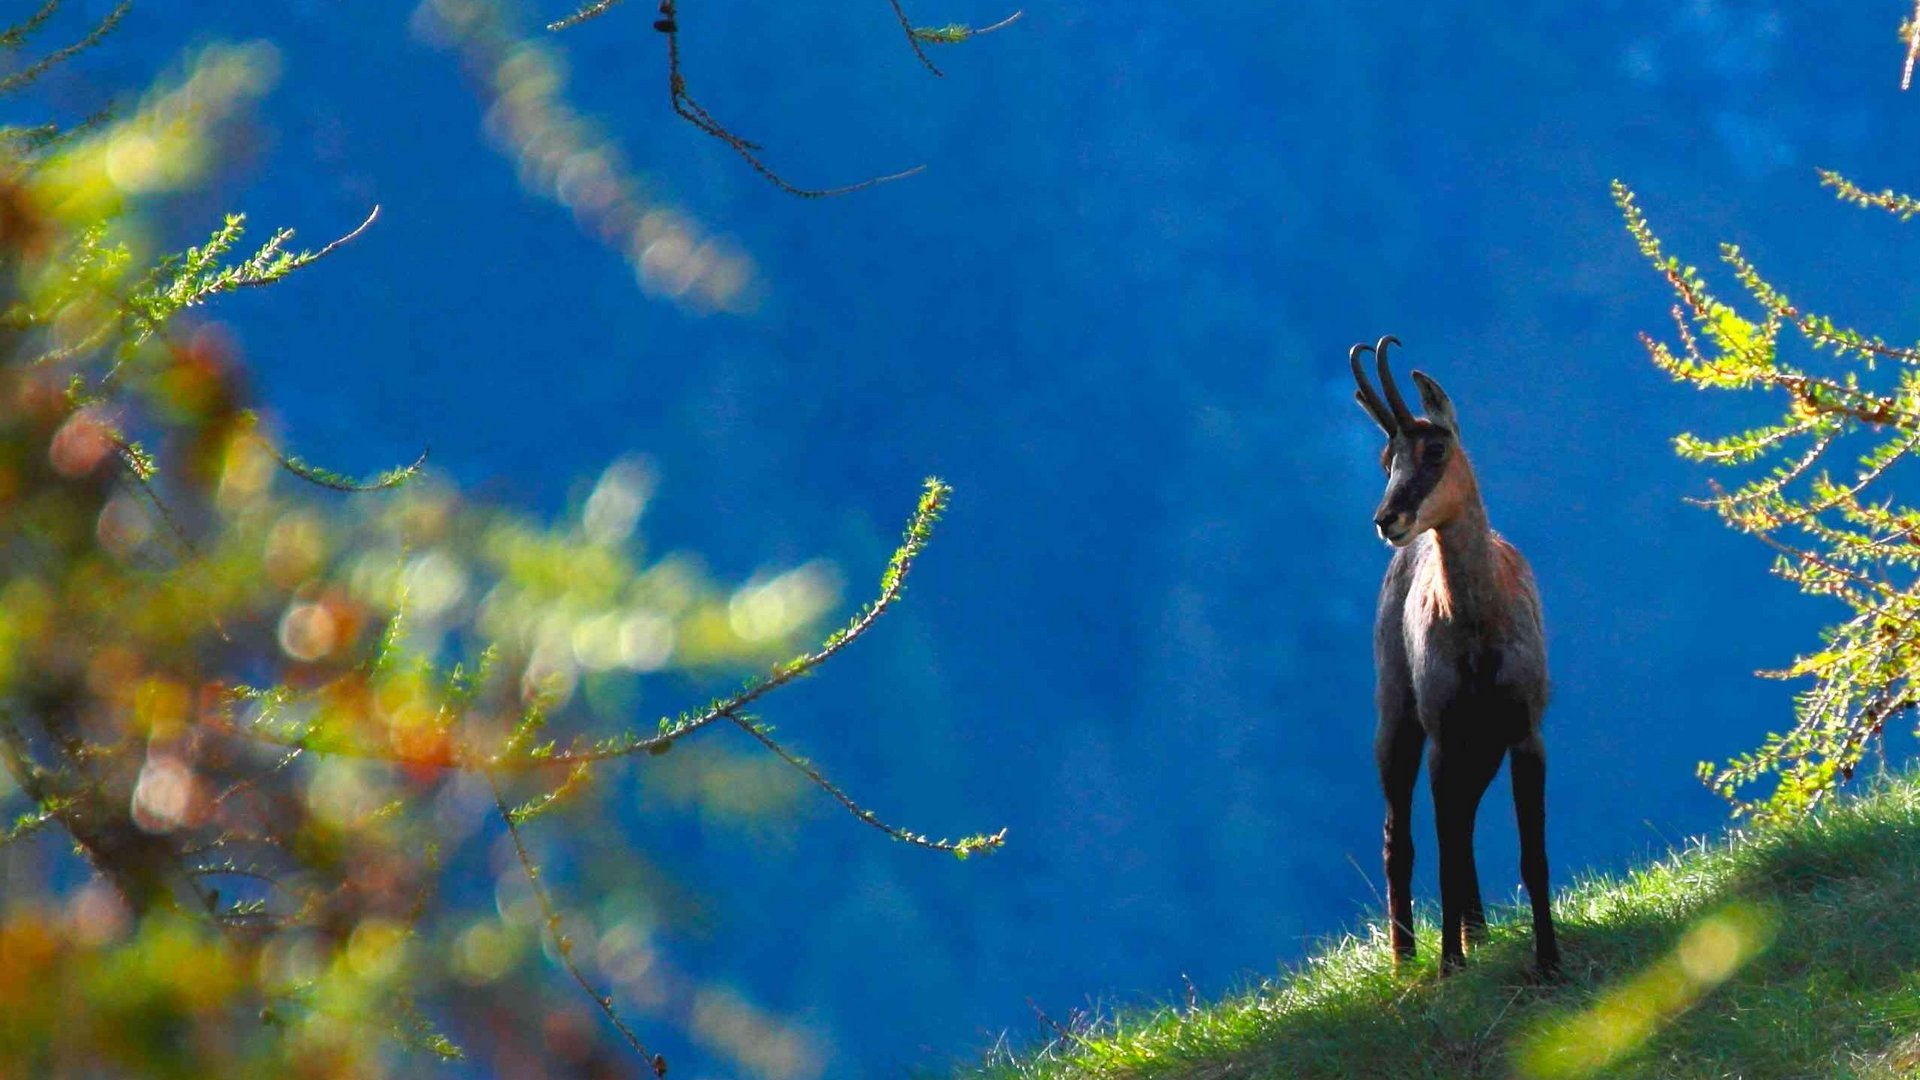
[[1776, 483], [1865, 478], [561, 943], [1806, 556], [16, 35], [696, 114], [315, 256], [968, 846], [254, 781], [1001, 25], [333, 481], [913, 39]]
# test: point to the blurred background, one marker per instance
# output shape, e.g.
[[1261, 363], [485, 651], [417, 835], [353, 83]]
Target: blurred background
[[1113, 313]]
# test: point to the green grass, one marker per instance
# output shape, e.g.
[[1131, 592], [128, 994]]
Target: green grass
[[1794, 954]]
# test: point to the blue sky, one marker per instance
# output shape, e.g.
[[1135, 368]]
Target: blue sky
[[1113, 312]]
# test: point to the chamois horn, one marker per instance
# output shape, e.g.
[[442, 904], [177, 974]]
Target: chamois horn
[[1368, 399], [1401, 414]]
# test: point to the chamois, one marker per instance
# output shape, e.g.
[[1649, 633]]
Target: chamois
[[1461, 660]]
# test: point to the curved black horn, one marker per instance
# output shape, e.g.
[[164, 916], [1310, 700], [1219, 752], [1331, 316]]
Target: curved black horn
[[1370, 400], [1401, 414]]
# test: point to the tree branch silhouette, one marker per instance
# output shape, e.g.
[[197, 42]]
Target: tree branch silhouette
[[687, 108]]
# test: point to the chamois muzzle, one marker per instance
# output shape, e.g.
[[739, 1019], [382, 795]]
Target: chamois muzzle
[[1394, 525]]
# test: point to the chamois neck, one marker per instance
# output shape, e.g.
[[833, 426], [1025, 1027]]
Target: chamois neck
[[1465, 548]]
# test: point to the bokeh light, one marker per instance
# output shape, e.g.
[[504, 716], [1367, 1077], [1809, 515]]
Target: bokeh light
[[1629, 1014], [562, 155]]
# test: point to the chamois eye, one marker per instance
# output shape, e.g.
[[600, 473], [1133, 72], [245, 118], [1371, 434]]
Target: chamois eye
[[1434, 452]]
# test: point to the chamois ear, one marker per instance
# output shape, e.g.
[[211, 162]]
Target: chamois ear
[[1434, 400]]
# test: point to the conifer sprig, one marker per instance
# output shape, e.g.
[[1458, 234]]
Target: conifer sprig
[[588, 11], [1901, 206], [15, 36], [955, 33], [198, 276], [319, 476], [963, 847], [934, 497], [1849, 537], [29, 823]]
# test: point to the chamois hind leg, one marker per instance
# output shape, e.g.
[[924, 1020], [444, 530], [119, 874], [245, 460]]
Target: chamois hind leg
[[1529, 769], [1398, 753]]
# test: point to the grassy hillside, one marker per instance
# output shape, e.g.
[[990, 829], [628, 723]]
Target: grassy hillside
[[1790, 955]]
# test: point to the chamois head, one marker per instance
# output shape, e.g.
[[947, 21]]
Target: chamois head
[[1427, 477]]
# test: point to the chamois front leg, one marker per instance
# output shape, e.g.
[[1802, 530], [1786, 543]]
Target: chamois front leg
[[1459, 776], [1453, 816], [1398, 752], [1474, 916], [1529, 769]]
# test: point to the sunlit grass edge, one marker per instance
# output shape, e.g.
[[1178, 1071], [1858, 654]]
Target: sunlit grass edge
[[1793, 953]]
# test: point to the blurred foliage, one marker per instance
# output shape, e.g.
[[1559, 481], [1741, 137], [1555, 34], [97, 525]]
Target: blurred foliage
[[563, 155], [1849, 537], [255, 714], [1910, 37]]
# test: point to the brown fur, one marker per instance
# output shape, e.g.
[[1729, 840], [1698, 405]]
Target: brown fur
[[1460, 650]]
